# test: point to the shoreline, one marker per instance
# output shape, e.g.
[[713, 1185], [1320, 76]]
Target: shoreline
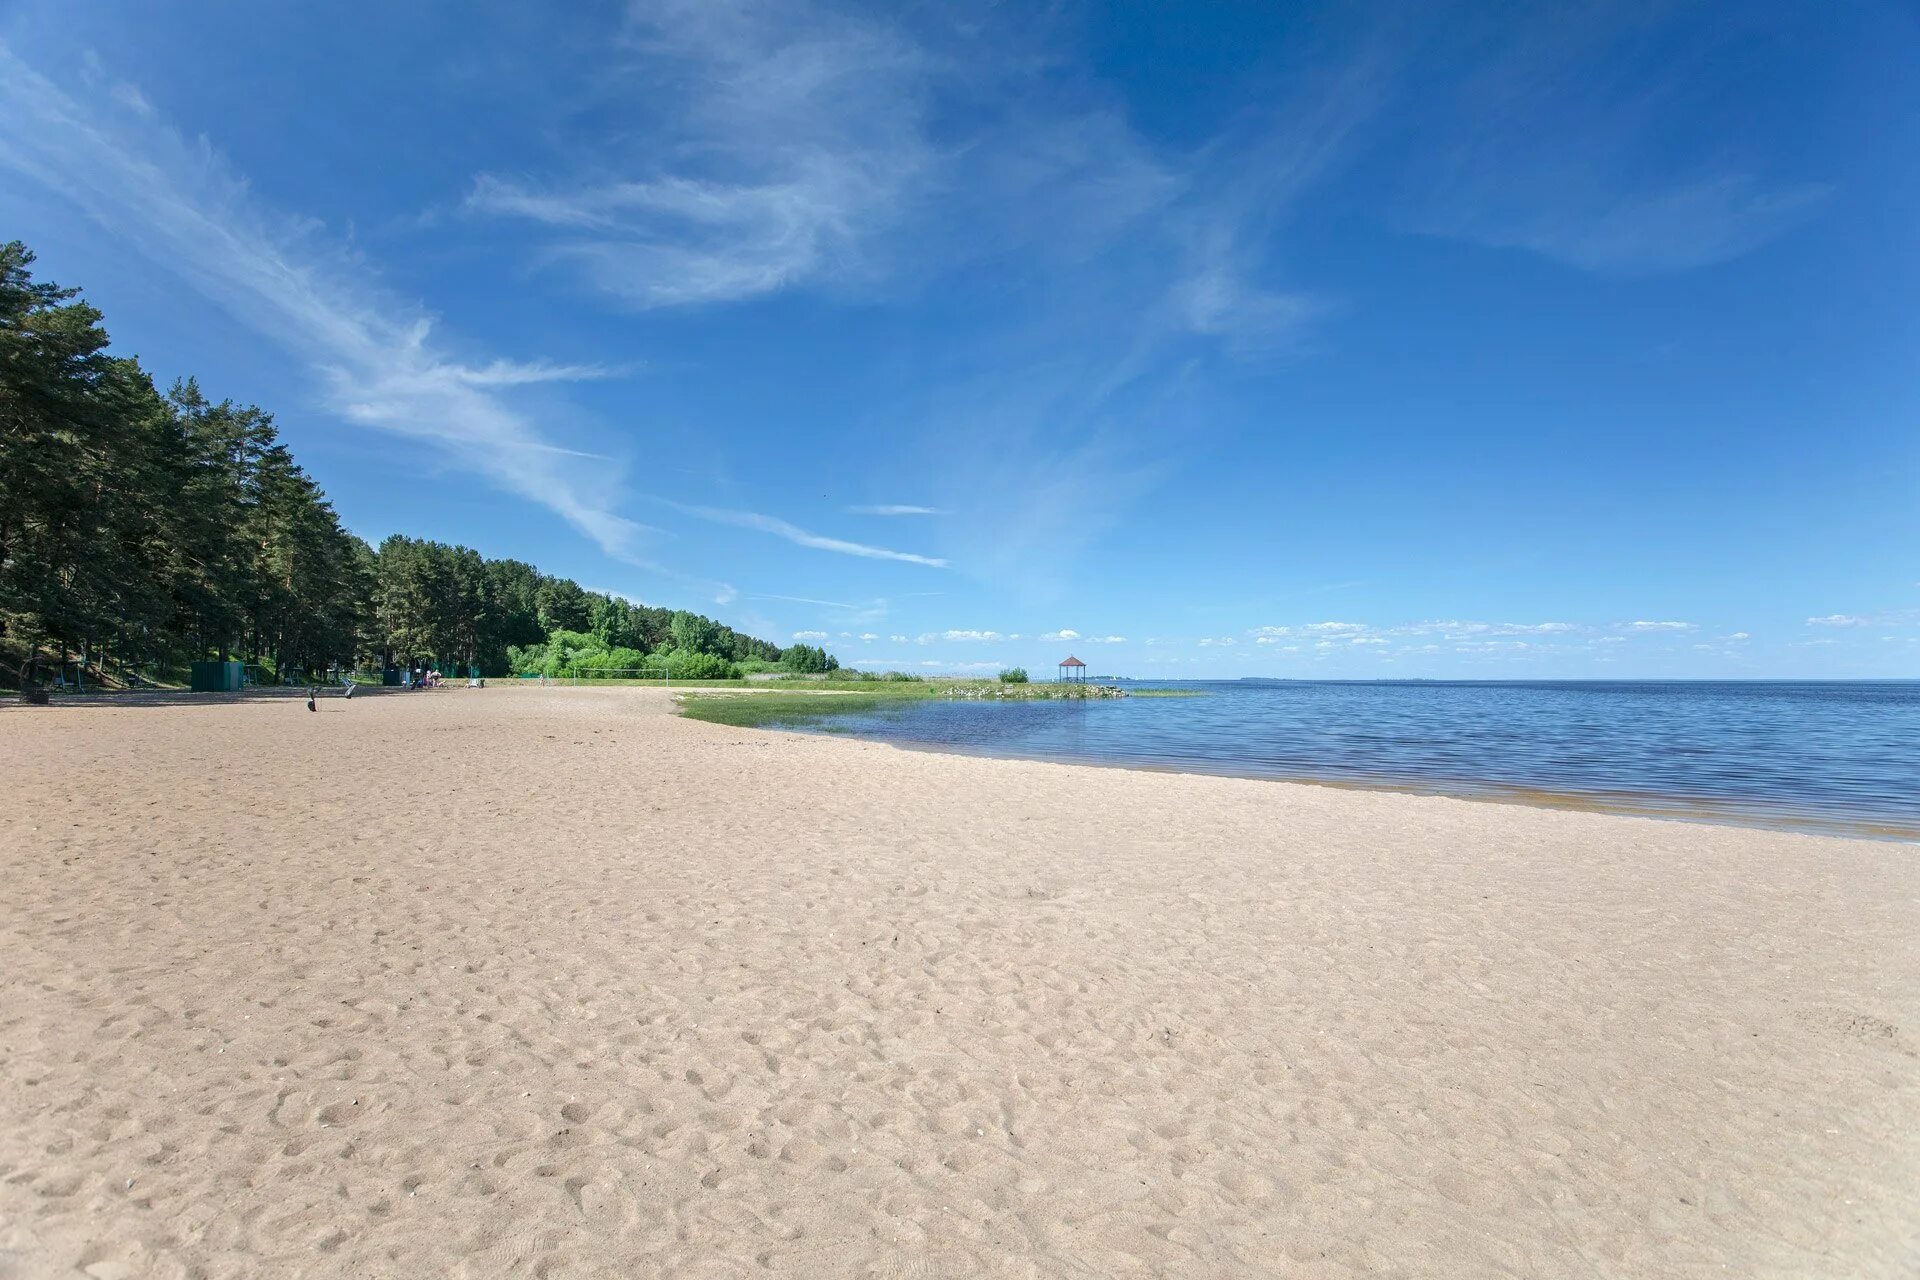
[[1689, 809]]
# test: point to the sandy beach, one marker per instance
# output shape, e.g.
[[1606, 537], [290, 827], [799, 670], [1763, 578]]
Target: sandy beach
[[554, 983]]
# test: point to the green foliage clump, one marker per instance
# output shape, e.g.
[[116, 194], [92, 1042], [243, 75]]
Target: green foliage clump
[[584, 655], [1014, 675], [621, 663], [692, 633], [684, 665], [805, 659], [568, 651]]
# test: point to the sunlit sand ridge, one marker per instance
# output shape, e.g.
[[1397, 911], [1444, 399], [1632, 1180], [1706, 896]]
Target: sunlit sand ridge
[[521, 982]]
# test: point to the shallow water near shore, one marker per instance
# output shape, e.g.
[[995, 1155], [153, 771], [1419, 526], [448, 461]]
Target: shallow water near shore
[[1832, 757]]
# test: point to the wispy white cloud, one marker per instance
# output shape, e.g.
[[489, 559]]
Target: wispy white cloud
[[1106, 639], [512, 373], [826, 604], [1644, 627], [1245, 184], [857, 612], [894, 509], [178, 202], [1064, 633], [779, 137], [962, 634], [1695, 224], [795, 534], [130, 97], [1049, 473], [809, 635], [1839, 620], [1549, 144]]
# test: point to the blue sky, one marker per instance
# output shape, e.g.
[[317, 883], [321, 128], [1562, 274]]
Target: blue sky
[[1348, 340]]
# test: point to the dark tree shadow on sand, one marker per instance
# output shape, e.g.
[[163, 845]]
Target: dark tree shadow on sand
[[163, 698]]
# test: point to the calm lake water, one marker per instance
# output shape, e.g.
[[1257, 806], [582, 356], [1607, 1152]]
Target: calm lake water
[[1823, 756]]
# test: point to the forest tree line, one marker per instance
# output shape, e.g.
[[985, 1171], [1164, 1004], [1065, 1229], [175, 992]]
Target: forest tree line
[[142, 529]]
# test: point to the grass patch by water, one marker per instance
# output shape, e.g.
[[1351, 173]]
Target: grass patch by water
[[823, 699], [750, 710]]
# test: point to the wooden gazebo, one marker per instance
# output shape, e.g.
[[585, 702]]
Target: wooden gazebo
[[1073, 669]]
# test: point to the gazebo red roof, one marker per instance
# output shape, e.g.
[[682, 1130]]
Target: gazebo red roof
[[1073, 662]]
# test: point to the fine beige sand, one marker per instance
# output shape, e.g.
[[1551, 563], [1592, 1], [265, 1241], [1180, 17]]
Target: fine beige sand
[[553, 983]]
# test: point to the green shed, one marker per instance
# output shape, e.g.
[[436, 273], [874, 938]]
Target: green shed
[[217, 677]]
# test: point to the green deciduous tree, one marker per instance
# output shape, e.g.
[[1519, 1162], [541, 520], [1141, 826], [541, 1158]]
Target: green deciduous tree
[[695, 634], [807, 659]]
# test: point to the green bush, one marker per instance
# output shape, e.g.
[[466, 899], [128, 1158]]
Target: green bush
[[565, 653], [1014, 675], [808, 660], [686, 665], [693, 633], [614, 663]]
